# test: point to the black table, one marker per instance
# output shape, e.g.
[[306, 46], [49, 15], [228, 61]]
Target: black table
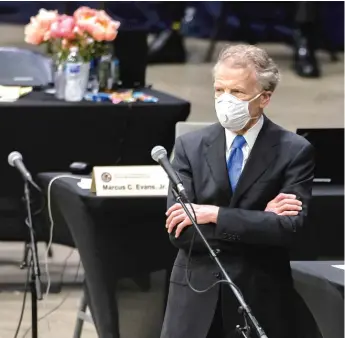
[[327, 219], [322, 288], [323, 235], [51, 134], [119, 237], [116, 237]]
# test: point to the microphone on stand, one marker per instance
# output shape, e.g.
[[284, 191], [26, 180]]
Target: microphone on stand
[[15, 159], [160, 155]]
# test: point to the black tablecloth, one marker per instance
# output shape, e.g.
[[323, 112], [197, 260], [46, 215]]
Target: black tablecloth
[[116, 237], [323, 235], [322, 288], [51, 134], [119, 237], [326, 218]]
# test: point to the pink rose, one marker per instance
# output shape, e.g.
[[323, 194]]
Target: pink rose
[[100, 26], [110, 26], [46, 18], [111, 31], [33, 33], [63, 27], [38, 30], [77, 30]]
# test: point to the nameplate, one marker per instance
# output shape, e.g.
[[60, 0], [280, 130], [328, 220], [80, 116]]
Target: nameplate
[[129, 181]]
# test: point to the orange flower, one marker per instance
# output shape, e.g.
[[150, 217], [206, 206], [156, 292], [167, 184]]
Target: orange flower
[[33, 33], [46, 18], [97, 24], [84, 13]]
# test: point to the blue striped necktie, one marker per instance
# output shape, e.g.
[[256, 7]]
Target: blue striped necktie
[[235, 160]]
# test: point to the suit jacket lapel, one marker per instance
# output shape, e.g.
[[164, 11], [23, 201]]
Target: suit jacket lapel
[[262, 154], [215, 158]]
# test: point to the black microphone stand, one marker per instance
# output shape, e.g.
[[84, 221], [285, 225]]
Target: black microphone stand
[[35, 282], [244, 308]]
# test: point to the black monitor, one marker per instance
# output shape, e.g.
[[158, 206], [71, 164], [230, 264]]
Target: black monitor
[[329, 150]]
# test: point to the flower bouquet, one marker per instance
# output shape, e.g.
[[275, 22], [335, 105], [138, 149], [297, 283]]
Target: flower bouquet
[[88, 29]]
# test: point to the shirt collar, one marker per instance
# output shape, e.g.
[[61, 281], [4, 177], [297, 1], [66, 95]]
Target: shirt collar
[[250, 135]]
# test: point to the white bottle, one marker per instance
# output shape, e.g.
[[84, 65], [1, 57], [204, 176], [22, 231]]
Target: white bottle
[[74, 91]]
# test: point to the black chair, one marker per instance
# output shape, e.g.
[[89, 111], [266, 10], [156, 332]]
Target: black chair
[[23, 67], [301, 16]]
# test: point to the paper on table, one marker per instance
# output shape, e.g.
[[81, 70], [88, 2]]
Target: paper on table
[[12, 93], [8, 99], [342, 267], [85, 183]]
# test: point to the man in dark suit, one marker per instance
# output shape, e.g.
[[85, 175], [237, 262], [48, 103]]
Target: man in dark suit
[[249, 182]]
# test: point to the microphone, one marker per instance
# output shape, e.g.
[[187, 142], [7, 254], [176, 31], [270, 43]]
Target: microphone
[[15, 159], [160, 155]]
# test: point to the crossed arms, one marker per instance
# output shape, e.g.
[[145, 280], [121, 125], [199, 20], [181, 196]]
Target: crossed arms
[[276, 225]]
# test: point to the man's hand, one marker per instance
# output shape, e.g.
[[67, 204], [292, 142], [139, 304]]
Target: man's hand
[[284, 205], [177, 216]]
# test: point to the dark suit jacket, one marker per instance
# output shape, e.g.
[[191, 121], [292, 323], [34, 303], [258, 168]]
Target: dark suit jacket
[[254, 244]]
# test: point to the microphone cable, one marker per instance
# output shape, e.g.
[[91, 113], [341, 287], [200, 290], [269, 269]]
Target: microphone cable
[[51, 231], [187, 269], [57, 307], [24, 301], [222, 281], [35, 213]]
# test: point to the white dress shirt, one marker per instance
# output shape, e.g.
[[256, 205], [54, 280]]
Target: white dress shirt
[[250, 137]]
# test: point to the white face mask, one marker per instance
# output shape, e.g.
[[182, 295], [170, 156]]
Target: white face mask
[[233, 113]]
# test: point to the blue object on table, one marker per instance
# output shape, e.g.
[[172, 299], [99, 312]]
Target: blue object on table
[[99, 97]]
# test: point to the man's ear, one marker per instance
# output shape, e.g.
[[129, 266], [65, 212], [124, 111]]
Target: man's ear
[[265, 99]]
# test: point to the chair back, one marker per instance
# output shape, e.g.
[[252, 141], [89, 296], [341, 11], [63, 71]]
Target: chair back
[[182, 128], [187, 127], [23, 67]]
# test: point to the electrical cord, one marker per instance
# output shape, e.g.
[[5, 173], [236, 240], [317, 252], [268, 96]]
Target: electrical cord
[[222, 281], [42, 207], [37, 212], [57, 306], [46, 255], [51, 220], [65, 265], [24, 302], [61, 278]]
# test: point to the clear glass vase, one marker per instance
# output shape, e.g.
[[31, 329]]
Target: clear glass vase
[[59, 81], [85, 71]]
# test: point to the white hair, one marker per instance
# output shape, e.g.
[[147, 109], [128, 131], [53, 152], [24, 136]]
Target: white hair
[[267, 72]]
